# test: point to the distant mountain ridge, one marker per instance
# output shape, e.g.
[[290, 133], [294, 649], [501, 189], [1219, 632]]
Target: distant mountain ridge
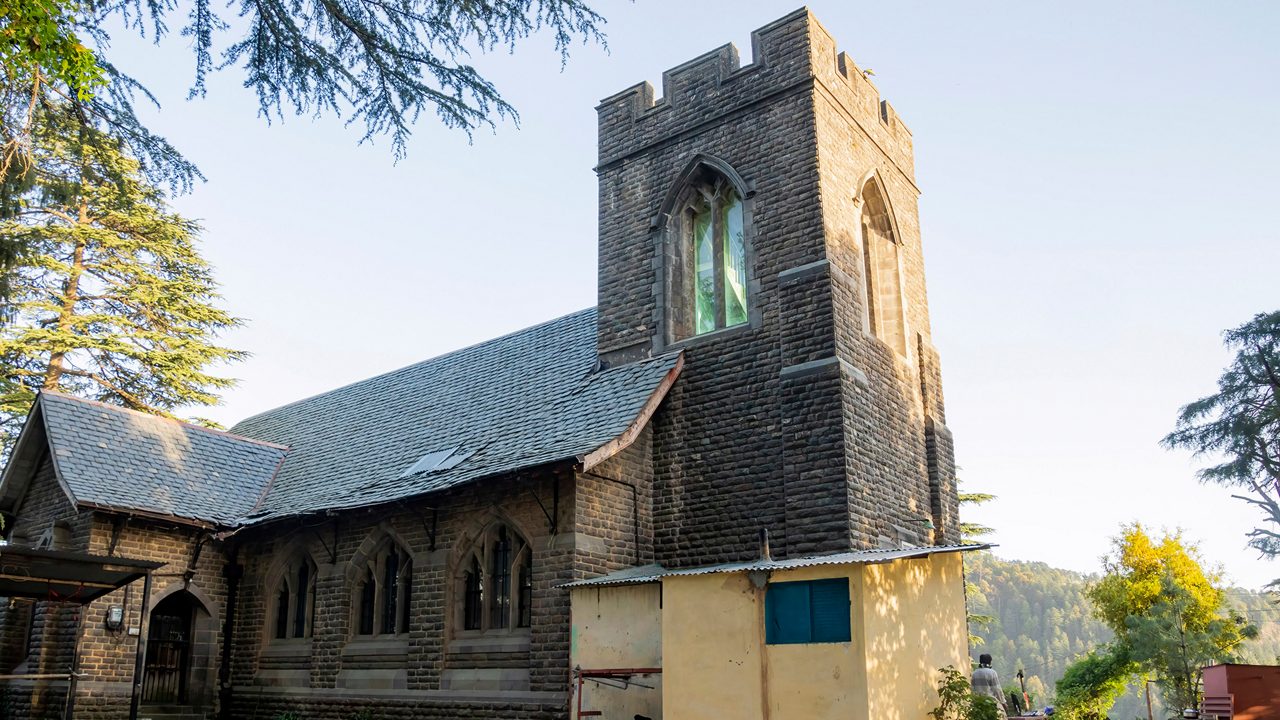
[[1042, 621]]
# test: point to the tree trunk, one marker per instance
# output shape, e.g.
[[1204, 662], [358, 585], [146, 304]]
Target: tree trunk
[[70, 294]]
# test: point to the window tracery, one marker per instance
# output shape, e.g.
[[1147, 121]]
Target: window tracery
[[710, 285], [295, 600], [384, 591], [496, 584]]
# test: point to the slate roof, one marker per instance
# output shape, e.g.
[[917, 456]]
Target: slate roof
[[653, 573], [108, 456], [525, 399]]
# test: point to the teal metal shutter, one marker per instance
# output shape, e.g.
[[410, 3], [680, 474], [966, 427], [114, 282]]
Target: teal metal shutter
[[786, 612], [829, 610]]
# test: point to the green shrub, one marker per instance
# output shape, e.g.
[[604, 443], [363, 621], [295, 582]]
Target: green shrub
[[957, 701]]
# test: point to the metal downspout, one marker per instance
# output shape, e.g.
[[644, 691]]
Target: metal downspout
[[233, 571], [140, 655]]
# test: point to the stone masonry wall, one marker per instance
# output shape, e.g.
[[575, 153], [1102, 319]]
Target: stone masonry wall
[[38, 636], [718, 437], [106, 657], [332, 674], [901, 476], [614, 511], [802, 421]]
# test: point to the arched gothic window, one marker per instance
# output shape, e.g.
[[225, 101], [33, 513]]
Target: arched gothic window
[[295, 600], [883, 280], [709, 278], [382, 596], [497, 582]]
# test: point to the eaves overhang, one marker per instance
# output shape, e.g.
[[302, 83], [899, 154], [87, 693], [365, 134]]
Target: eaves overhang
[[656, 573]]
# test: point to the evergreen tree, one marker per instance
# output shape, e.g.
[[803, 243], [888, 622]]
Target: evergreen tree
[[377, 63], [1240, 425], [114, 301], [971, 532], [969, 535]]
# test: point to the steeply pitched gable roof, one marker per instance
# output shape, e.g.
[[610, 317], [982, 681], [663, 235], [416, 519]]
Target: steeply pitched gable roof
[[110, 457], [526, 399], [522, 400]]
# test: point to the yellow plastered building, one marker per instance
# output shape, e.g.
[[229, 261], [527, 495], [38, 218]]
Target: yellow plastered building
[[850, 635]]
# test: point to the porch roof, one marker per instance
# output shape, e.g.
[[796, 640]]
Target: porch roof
[[65, 576]]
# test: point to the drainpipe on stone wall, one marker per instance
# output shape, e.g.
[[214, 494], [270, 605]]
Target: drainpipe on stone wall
[[232, 571], [760, 581], [635, 508], [764, 660]]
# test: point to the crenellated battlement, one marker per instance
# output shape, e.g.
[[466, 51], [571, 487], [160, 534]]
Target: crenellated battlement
[[851, 88], [788, 54], [707, 87]]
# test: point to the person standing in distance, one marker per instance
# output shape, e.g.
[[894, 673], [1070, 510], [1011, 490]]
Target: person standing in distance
[[986, 682]]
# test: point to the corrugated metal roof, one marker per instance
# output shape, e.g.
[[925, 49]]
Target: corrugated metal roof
[[654, 573]]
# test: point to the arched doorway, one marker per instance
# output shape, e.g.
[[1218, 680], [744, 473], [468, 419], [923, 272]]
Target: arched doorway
[[167, 672], [181, 667]]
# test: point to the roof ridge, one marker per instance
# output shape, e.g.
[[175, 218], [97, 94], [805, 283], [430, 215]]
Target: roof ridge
[[402, 368], [174, 420]]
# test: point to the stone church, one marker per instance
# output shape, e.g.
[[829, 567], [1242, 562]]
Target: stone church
[[413, 545]]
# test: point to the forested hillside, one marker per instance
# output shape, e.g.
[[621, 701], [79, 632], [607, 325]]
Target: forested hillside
[[1042, 621]]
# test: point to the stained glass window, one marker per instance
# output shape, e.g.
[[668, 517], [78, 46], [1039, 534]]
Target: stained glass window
[[716, 250], [704, 264], [735, 262]]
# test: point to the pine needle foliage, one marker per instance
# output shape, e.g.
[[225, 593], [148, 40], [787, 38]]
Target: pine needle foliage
[[113, 301], [970, 534], [1239, 426], [378, 64]]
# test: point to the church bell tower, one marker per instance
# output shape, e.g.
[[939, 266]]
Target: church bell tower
[[763, 219]]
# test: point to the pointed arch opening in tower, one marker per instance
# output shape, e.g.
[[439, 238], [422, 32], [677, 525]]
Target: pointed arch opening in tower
[[882, 272]]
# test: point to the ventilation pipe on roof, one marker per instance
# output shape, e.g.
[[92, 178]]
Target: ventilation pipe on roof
[[760, 578]]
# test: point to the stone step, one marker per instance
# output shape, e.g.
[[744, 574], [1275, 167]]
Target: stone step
[[169, 712]]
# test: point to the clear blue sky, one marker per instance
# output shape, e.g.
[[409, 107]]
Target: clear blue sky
[[1100, 184]]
